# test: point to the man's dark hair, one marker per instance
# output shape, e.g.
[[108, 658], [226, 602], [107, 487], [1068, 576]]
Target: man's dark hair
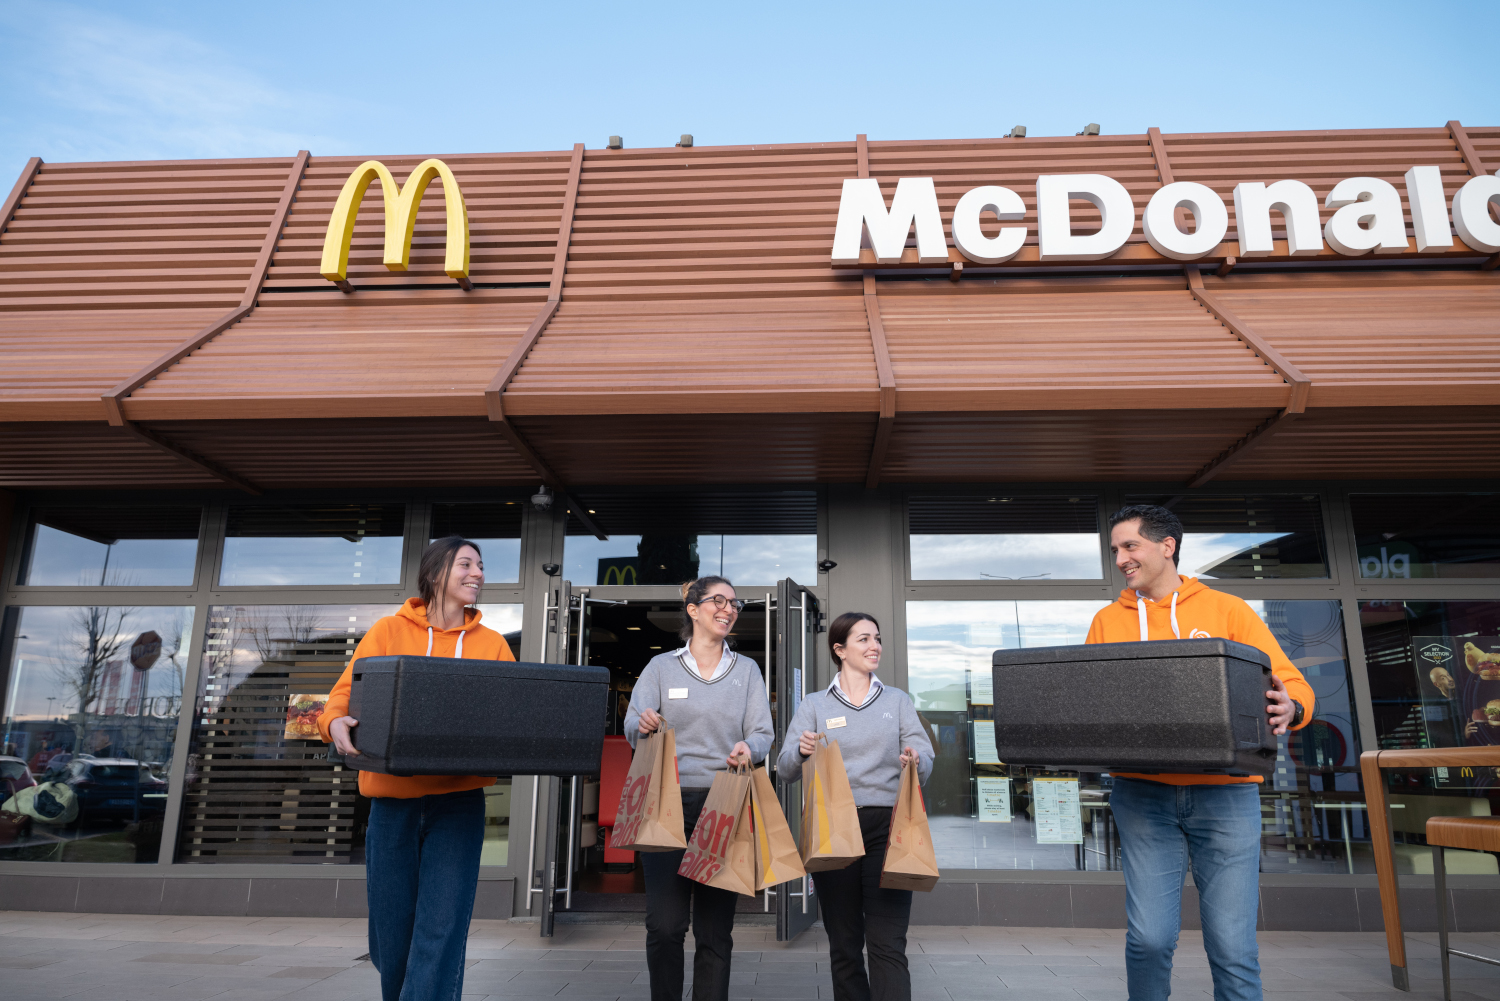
[[1157, 523]]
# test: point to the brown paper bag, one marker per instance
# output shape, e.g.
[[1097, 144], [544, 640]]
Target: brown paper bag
[[910, 863], [721, 851], [831, 838], [776, 857], [650, 814]]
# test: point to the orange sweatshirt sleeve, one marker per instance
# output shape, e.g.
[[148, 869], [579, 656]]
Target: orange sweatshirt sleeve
[[1248, 628], [373, 645], [1096, 628]]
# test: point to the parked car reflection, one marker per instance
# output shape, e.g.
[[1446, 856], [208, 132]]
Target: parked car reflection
[[15, 775], [115, 788]]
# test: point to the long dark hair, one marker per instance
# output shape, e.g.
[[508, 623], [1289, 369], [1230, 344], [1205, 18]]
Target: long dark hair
[[693, 593], [437, 564], [838, 632]]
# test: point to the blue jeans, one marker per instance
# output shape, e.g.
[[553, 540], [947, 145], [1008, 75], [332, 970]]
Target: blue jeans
[[421, 867], [1161, 827]]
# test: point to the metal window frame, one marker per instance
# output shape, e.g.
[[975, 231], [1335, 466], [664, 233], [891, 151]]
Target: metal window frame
[[206, 593]]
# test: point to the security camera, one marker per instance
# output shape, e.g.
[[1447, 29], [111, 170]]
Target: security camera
[[542, 499], [826, 565], [551, 569]]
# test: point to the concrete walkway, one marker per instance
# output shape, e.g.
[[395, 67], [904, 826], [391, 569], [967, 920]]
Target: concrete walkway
[[124, 957]]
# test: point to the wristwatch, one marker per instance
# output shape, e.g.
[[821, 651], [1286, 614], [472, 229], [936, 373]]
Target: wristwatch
[[1297, 716]]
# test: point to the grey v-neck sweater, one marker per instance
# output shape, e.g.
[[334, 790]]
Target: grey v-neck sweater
[[870, 739], [710, 717]]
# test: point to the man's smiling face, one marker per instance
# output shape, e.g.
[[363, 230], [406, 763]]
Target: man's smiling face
[[1145, 564]]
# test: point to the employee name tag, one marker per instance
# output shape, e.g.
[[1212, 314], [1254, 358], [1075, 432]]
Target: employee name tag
[[676, 693], [836, 722]]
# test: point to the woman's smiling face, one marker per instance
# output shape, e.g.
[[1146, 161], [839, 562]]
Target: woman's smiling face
[[711, 621]]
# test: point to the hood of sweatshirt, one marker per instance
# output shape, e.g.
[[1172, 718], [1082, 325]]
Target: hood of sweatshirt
[[415, 610]]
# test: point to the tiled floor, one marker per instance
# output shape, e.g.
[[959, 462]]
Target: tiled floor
[[121, 957]]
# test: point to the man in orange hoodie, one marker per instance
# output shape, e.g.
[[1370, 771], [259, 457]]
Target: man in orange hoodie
[[1165, 820]]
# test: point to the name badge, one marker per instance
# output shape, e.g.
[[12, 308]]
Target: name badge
[[676, 693], [836, 722]]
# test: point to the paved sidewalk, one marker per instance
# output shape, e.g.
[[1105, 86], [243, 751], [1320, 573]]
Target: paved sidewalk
[[126, 957]]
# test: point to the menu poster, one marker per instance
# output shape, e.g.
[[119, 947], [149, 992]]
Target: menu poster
[[984, 743], [982, 687], [1058, 817], [993, 796], [302, 712]]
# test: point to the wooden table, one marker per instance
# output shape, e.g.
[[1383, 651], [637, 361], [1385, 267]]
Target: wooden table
[[1371, 763]]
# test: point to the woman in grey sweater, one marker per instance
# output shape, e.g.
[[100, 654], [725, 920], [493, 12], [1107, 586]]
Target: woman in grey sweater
[[715, 701], [879, 732]]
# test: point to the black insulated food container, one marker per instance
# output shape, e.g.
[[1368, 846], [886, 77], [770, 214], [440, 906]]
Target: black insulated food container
[[1194, 705], [442, 716]]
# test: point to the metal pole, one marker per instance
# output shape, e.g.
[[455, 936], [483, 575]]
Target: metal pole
[[536, 780], [572, 843], [806, 879]]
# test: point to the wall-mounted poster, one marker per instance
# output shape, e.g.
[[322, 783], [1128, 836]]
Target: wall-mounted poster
[[984, 743], [302, 712], [982, 688], [993, 798], [1058, 817]]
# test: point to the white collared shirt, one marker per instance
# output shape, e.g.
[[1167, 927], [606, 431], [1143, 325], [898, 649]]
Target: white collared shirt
[[726, 661], [874, 692]]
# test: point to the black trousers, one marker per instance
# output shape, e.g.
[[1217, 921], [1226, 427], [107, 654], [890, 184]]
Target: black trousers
[[668, 899], [859, 915]]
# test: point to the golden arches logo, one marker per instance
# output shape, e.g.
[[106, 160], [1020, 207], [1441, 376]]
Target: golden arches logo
[[401, 206], [618, 574]]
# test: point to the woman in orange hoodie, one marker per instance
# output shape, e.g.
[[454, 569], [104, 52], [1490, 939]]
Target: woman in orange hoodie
[[425, 832]]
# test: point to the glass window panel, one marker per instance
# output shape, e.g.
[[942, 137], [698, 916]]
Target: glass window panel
[[984, 814], [1427, 535], [313, 544], [667, 538], [257, 789], [496, 847], [1248, 537], [90, 718], [995, 537], [1434, 670], [115, 546], [495, 526]]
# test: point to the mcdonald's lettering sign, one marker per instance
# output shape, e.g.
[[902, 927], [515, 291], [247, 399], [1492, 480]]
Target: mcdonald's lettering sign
[[401, 206]]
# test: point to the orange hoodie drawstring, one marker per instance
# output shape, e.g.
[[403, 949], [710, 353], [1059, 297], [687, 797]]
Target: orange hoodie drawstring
[[457, 654], [1140, 607]]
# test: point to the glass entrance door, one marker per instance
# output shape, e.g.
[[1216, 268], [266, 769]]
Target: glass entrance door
[[795, 626], [558, 809]]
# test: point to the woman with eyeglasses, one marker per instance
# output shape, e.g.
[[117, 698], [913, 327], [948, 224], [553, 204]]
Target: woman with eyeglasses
[[715, 701]]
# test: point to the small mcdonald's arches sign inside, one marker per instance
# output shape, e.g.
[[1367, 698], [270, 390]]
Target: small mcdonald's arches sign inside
[[619, 570]]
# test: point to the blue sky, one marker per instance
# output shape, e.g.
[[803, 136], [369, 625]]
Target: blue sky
[[123, 80]]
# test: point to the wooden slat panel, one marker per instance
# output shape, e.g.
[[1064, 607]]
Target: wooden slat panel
[[1107, 350], [54, 364], [790, 355], [1377, 442], [664, 449], [188, 230], [346, 359], [1383, 346], [1067, 446]]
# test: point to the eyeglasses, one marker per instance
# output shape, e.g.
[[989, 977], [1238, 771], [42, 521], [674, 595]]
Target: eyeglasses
[[719, 601]]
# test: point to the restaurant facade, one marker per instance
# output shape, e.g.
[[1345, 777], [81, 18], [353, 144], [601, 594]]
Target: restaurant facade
[[912, 379]]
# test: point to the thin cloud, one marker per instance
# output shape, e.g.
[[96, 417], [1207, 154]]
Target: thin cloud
[[102, 88]]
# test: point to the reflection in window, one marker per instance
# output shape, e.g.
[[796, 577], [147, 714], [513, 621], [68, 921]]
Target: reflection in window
[[114, 546], [750, 538], [90, 719], [1427, 535], [333, 544], [1248, 537], [260, 784], [496, 527], [1004, 538], [1435, 682], [985, 814]]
